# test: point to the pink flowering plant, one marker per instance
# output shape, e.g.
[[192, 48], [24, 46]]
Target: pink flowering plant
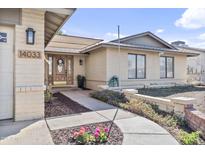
[[83, 136], [101, 134]]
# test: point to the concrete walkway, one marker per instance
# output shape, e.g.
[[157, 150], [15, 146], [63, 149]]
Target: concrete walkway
[[136, 129], [25, 133], [82, 97]]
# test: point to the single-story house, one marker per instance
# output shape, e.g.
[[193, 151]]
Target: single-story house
[[195, 65], [32, 55], [142, 60]]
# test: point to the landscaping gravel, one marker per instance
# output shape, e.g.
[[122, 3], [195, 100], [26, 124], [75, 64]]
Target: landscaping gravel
[[64, 136], [61, 105]]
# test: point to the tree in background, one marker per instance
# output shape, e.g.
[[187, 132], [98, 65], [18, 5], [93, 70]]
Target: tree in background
[[60, 32]]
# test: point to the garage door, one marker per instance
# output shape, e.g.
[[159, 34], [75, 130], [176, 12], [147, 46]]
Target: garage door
[[6, 72]]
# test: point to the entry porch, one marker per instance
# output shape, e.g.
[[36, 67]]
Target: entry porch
[[64, 60], [61, 69]]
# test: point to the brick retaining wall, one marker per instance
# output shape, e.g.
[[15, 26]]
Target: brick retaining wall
[[195, 120]]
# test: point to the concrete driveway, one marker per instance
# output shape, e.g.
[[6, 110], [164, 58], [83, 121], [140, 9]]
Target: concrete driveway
[[33, 132]]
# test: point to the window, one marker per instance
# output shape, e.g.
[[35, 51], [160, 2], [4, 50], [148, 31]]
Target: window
[[170, 70], [3, 37], [166, 67], [136, 66], [50, 59], [131, 66]]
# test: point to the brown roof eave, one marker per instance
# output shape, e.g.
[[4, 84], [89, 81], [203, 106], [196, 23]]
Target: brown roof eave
[[60, 26], [101, 45]]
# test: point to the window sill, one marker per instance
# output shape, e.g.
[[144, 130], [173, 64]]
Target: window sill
[[136, 78], [167, 78]]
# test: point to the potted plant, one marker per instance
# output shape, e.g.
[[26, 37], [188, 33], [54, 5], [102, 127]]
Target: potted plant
[[81, 81]]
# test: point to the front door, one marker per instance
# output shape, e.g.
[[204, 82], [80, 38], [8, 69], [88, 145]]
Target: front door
[[62, 70]]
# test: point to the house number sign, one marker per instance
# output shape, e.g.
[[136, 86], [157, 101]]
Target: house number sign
[[29, 54], [3, 37]]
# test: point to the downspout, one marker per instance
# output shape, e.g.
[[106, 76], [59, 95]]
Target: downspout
[[119, 76]]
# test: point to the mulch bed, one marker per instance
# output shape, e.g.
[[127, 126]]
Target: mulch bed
[[62, 105], [64, 136]]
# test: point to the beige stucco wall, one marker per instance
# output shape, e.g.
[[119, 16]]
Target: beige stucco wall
[[102, 64], [114, 66], [180, 69], [95, 68], [29, 73]]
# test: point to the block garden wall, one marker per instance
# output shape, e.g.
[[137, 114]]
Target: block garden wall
[[181, 106]]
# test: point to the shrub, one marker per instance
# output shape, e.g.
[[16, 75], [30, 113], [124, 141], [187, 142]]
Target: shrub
[[47, 96], [175, 125], [189, 138], [109, 96], [143, 109], [170, 119]]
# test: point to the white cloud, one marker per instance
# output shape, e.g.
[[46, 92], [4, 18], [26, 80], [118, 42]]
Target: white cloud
[[192, 19], [197, 41], [111, 36], [202, 36], [197, 44], [114, 35], [159, 31]]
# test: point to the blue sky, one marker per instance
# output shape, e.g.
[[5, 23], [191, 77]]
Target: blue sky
[[169, 24]]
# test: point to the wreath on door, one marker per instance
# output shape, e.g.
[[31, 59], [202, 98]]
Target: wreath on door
[[60, 63]]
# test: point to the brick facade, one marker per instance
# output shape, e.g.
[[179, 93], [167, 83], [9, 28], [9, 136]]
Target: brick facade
[[196, 120]]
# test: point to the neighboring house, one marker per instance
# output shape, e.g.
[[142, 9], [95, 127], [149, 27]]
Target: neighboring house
[[142, 60], [24, 33], [195, 65], [31, 56]]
